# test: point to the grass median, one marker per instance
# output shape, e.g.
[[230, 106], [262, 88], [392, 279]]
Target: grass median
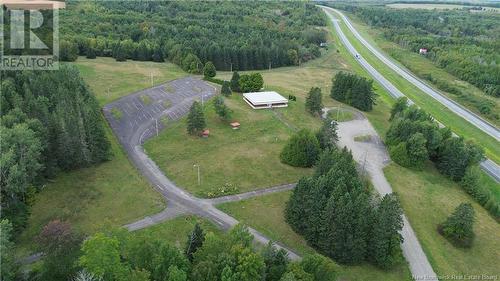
[[459, 125]]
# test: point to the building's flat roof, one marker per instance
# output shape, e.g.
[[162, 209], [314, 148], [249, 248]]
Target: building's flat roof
[[265, 97]]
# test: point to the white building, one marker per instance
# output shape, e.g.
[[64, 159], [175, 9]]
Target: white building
[[259, 100]]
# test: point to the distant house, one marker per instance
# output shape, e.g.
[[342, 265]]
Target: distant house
[[258, 100], [422, 51], [323, 45]]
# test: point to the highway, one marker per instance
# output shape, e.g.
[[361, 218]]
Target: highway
[[490, 167]]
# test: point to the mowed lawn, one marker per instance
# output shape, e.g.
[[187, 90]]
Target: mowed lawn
[[265, 213], [110, 80], [247, 158], [428, 199]]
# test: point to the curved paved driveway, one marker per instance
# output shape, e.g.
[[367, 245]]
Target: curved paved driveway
[[140, 121]]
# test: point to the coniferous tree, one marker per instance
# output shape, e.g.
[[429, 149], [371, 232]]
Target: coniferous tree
[[458, 227], [195, 241], [226, 90], [91, 53], [196, 119], [276, 262], [354, 90], [221, 108], [385, 242], [313, 101], [209, 70], [327, 134], [235, 82]]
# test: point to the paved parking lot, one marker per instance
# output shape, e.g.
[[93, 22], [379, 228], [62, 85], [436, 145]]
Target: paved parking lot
[[166, 102]]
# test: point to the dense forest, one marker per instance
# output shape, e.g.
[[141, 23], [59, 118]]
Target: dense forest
[[118, 255], [462, 42], [50, 121], [232, 35]]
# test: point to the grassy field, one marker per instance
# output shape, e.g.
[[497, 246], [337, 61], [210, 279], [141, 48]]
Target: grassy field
[[404, 183], [471, 96], [429, 6], [441, 113], [428, 198], [247, 158], [110, 80], [265, 214], [176, 231], [112, 193]]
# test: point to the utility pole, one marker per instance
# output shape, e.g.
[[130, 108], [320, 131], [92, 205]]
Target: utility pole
[[156, 121], [199, 179], [231, 67], [269, 66]]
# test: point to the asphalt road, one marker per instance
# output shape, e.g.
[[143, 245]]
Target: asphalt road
[[490, 167], [372, 158], [141, 121]]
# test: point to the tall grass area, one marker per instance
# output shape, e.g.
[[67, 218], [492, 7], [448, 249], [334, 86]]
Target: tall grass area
[[428, 199], [110, 194], [460, 126], [266, 214], [110, 80], [176, 231]]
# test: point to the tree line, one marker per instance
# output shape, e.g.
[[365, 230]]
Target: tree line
[[117, 255], [414, 138], [234, 36], [337, 214], [462, 42], [354, 90], [50, 122]]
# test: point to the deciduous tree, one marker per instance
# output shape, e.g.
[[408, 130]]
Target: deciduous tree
[[301, 150], [458, 227]]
